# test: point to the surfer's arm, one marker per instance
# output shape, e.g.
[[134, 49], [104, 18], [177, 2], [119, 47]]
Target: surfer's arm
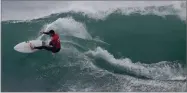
[[47, 33], [50, 43]]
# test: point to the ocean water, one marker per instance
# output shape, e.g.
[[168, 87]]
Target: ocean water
[[106, 47]]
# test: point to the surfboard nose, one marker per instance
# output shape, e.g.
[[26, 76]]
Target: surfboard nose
[[18, 47], [15, 47], [24, 47]]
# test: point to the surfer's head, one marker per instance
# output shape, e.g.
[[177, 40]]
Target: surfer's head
[[51, 32]]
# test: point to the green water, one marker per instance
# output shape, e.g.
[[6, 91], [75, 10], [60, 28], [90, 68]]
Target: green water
[[147, 39]]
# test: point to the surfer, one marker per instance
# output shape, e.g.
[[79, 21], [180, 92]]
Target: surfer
[[54, 43]]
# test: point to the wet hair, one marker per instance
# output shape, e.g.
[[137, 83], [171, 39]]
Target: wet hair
[[52, 32]]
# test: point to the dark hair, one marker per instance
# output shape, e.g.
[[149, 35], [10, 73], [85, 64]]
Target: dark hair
[[52, 32]]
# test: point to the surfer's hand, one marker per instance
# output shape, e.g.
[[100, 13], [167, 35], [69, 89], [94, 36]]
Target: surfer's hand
[[41, 32]]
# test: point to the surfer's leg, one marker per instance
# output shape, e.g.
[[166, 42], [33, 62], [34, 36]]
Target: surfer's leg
[[44, 47], [48, 48], [40, 47], [55, 50]]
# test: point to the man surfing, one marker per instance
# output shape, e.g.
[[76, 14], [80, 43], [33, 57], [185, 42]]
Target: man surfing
[[55, 45]]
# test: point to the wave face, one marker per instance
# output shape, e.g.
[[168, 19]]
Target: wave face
[[121, 48]]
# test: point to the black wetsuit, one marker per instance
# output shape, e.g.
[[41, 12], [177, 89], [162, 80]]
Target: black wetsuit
[[54, 44]]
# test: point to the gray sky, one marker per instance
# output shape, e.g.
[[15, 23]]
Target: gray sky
[[29, 9]]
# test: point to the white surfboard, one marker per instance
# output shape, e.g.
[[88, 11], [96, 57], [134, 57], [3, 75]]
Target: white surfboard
[[24, 47]]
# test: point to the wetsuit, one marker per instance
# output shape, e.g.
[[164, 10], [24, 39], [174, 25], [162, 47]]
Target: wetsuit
[[55, 44]]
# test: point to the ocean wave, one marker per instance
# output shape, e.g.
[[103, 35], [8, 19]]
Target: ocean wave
[[100, 10], [100, 55], [68, 26], [159, 71]]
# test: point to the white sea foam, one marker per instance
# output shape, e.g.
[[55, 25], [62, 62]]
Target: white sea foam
[[160, 71], [26, 10], [68, 26]]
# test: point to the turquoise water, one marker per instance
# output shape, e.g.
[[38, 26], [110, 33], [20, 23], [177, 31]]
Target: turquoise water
[[120, 53]]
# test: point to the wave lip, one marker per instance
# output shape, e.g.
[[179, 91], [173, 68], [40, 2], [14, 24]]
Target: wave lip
[[96, 10]]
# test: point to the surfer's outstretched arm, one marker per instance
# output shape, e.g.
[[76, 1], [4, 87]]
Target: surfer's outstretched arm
[[47, 33]]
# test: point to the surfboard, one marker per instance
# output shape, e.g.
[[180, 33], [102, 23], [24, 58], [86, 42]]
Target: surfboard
[[24, 47]]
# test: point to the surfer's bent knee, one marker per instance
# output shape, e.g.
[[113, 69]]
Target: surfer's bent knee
[[56, 50]]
